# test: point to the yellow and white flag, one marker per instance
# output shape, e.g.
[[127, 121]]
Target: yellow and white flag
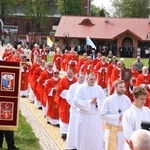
[[49, 42]]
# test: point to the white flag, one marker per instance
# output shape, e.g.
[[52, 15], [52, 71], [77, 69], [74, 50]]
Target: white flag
[[90, 42]]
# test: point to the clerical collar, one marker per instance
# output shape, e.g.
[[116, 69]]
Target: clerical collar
[[49, 71], [103, 62], [132, 71], [56, 79], [135, 107], [42, 67], [115, 92], [145, 74], [118, 68], [79, 83], [70, 79]]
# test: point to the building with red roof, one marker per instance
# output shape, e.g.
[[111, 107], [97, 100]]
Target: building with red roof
[[123, 32]]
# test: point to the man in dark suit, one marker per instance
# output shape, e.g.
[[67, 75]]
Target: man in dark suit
[[9, 136]]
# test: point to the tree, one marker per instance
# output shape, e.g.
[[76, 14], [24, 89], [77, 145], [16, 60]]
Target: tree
[[70, 7], [95, 10], [132, 8], [6, 8], [98, 11], [136, 8], [39, 11], [103, 12], [117, 4]]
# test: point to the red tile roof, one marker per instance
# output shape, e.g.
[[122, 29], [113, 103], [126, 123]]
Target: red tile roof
[[74, 27]]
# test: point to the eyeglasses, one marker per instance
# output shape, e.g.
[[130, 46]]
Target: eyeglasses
[[56, 72], [50, 66]]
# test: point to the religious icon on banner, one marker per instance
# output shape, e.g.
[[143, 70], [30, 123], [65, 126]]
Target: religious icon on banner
[[126, 75], [6, 111], [8, 81]]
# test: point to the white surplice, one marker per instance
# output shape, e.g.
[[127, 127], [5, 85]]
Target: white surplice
[[132, 119], [110, 114], [71, 134], [89, 123]]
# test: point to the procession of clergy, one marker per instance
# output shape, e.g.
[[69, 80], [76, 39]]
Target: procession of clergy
[[88, 90]]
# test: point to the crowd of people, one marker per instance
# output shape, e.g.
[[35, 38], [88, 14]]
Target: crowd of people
[[92, 98]]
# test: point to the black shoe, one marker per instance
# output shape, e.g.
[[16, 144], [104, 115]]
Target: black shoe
[[64, 136], [31, 101], [57, 125], [48, 122], [23, 96], [13, 148], [40, 108]]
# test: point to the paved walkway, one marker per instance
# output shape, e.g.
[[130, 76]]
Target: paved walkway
[[49, 136]]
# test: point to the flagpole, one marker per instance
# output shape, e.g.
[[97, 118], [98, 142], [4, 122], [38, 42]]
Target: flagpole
[[86, 46]]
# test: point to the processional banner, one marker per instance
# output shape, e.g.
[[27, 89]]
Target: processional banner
[[9, 95]]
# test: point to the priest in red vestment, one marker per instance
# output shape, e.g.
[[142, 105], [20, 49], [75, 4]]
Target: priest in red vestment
[[134, 75], [95, 62], [52, 115], [143, 80], [116, 74], [44, 53], [32, 68], [57, 60], [34, 81], [72, 60], [25, 69], [88, 66], [44, 77], [64, 61], [110, 68], [61, 93], [81, 62], [34, 53], [101, 69]]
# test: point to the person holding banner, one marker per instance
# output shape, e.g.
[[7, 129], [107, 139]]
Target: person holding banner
[[9, 136], [34, 53], [44, 53], [57, 60]]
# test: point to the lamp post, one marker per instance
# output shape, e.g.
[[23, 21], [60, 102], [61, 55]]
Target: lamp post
[[51, 34], [148, 36], [148, 44], [64, 41], [65, 35]]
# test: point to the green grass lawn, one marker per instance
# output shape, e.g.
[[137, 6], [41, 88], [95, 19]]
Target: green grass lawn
[[128, 61], [24, 137]]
